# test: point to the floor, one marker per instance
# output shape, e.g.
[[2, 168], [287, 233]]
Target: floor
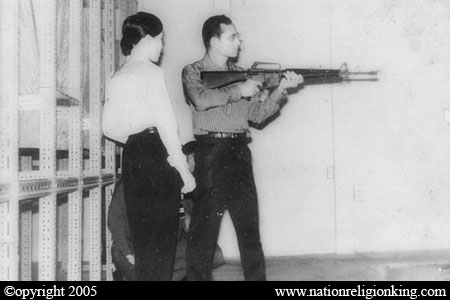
[[395, 266]]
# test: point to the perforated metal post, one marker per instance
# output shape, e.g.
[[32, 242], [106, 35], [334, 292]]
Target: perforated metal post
[[118, 27], [95, 151], [108, 240], [47, 205], [125, 9], [5, 266], [109, 67], [75, 236], [121, 14], [95, 266], [9, 137], [133, 5], [75, 148], [47, 238], [95, 82], [63, 115], [110, 147], [75, 203], [26, 245], [62, 230]]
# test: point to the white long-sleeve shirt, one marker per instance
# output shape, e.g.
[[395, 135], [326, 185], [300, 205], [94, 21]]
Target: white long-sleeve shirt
[[138, 99]]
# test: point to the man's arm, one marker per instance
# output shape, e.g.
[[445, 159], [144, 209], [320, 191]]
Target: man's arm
[[203, 98], [263, 105]]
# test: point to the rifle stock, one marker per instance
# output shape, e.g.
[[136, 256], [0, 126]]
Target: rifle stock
[[218, 79]]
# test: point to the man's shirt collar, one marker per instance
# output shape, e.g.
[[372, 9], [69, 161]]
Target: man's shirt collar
[[211, 65]]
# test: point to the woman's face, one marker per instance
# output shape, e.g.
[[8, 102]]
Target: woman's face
[[155, 45]]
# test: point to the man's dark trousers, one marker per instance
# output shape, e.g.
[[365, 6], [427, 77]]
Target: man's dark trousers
[[223, 170]]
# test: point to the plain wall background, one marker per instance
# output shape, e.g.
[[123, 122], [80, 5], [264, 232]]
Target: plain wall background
[[351, 167]]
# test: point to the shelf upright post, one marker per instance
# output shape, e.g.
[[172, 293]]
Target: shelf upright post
[[26, 221], [95, 136], [121, 15], [109, 57], [47, 205], [9, 140], [75, 201]]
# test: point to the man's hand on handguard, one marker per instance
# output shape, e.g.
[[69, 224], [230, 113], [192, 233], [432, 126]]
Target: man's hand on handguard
[[290, 80], [249, 88]]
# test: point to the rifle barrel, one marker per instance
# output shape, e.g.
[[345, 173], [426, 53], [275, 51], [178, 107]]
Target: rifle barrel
[[360, 79], [363, 73]]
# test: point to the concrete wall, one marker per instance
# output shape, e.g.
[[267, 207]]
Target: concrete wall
[[345, 168]]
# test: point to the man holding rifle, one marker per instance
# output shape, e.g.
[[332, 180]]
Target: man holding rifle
[[223, 160]]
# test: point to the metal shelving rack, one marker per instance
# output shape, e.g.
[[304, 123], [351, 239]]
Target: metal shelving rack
[[45, 186]]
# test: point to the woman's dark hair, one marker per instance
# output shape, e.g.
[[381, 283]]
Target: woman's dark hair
[[136, 27], [211, 28]]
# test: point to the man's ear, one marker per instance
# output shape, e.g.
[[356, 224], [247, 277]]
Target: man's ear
[[213, 42]]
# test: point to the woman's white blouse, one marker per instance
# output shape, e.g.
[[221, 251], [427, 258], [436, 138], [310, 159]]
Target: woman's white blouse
[[138, 99]]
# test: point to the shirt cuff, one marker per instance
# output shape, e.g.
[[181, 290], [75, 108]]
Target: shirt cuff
[[276, 95]]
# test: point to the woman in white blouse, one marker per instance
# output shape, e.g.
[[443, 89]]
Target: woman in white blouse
[[138, 114]]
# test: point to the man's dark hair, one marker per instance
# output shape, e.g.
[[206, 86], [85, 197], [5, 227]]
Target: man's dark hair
[[211, 28], [136, 27]]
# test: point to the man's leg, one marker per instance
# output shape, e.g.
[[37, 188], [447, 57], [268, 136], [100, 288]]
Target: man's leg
[[201, 244], [179, 267], [212, 183], [243, 209]]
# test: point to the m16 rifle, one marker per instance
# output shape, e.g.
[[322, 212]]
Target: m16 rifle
[[270, 75]]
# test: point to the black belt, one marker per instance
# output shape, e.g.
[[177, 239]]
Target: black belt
[[144, 133], [227, 135]]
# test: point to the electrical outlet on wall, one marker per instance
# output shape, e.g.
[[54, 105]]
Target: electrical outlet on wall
[[360, 193]]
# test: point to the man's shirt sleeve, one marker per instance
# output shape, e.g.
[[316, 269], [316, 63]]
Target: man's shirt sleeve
[[203, 98]]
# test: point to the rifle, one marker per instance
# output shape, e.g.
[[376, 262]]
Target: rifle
[[270, 75]]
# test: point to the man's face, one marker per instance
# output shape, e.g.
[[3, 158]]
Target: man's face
[[228, 43]]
